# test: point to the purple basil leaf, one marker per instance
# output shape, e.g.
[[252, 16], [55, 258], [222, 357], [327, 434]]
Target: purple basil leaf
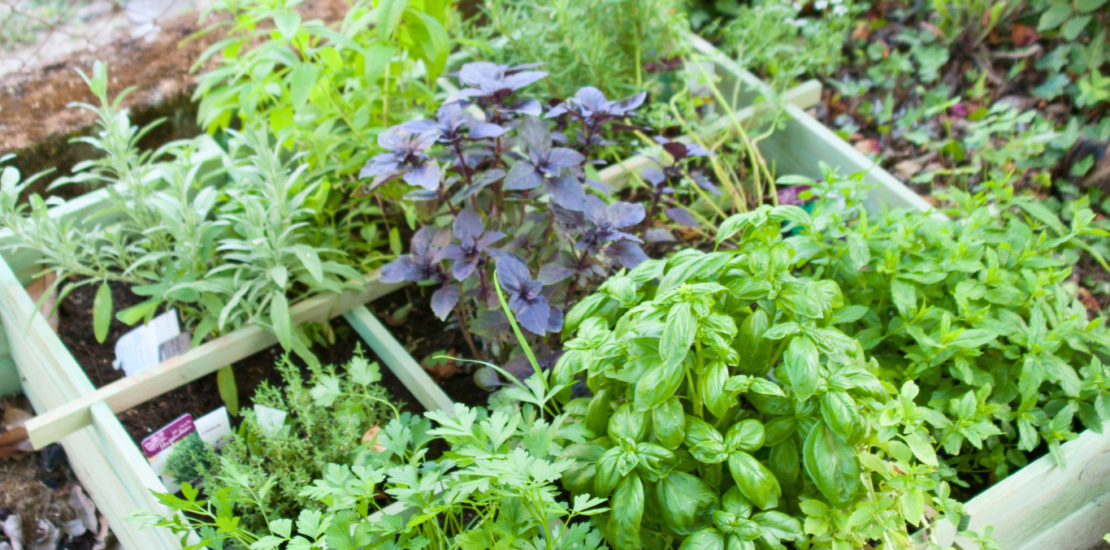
[[704, 183], [591, 98], [659, 235], [485, 130], [468, 224], [488, 239], [595, 210], [600, 186], [380, 164], [464, 268], [444, 300], [519, 80], [631, 102], [628, 253], [562, 157], [553, 273], [681, 216], [528, 107], [523, 175], [653, 175], [534, 315], [450, 252], [525, 66], [512, 273], [555, 320], [567, 192], [625, 214], [425, 175], [535, 133], [401, 269]]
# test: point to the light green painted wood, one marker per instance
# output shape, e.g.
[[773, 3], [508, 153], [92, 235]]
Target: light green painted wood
[[804, 143], [393, 354]]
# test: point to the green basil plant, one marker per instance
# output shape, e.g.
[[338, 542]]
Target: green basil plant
[[729, 409]]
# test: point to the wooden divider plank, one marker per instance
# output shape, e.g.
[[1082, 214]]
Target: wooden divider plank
[[205, 359], [130, 477], [426, 391]]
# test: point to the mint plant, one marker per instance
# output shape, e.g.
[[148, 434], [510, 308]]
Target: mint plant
[[728, 407], [978, 313]]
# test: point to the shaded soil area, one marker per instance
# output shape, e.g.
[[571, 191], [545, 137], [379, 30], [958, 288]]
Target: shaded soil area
[[202, 395], [407, 314]]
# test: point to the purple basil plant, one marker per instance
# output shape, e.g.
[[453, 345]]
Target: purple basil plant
[[507, 187]]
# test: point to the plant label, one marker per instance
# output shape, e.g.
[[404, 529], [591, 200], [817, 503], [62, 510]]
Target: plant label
[[214, 428], [158, 446], [270, 420], [141, 348]]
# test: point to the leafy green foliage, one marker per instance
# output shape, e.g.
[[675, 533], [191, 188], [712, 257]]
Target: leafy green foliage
[[270, 465], [729, 406], [228, 237], [611, 44], [494, 487], [190, 459], [975, 312]]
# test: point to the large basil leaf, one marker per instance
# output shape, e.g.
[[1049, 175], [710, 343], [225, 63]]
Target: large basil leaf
[[706, 539], [751, 344], [755, 481], [687, 501], [627, 512], [628, 425], [801, 365], [746, 435], [598, 412], [778, 429], [839, 411], [655, 459], [659, 384], [776, 526], [580, 477], [669, 422], [831, 463], [704, 441], [712, 389], [613, 466], [678, 334], [784, 461]]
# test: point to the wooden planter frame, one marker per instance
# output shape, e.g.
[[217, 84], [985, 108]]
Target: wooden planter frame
[[109, 464]]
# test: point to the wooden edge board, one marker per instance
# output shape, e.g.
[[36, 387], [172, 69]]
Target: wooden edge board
[[1036, 500], [136, 480], [802, 96], [393, 354], [205, 359]]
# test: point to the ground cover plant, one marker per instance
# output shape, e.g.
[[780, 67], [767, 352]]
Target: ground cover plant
[[269, 465], [978, 312]]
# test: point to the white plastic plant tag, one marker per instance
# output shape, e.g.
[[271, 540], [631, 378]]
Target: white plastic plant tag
[[270, 420], [139, 349], [214, 428]]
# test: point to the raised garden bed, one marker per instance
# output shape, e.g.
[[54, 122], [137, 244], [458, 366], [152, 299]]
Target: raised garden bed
[[85, 418]]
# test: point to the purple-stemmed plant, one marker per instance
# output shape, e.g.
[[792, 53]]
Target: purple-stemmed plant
[[506, 174]]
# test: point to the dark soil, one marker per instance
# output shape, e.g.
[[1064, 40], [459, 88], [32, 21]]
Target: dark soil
[[200, 396], [408, 316]]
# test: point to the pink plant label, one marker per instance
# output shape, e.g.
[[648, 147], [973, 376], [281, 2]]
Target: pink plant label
[[165, 438]]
